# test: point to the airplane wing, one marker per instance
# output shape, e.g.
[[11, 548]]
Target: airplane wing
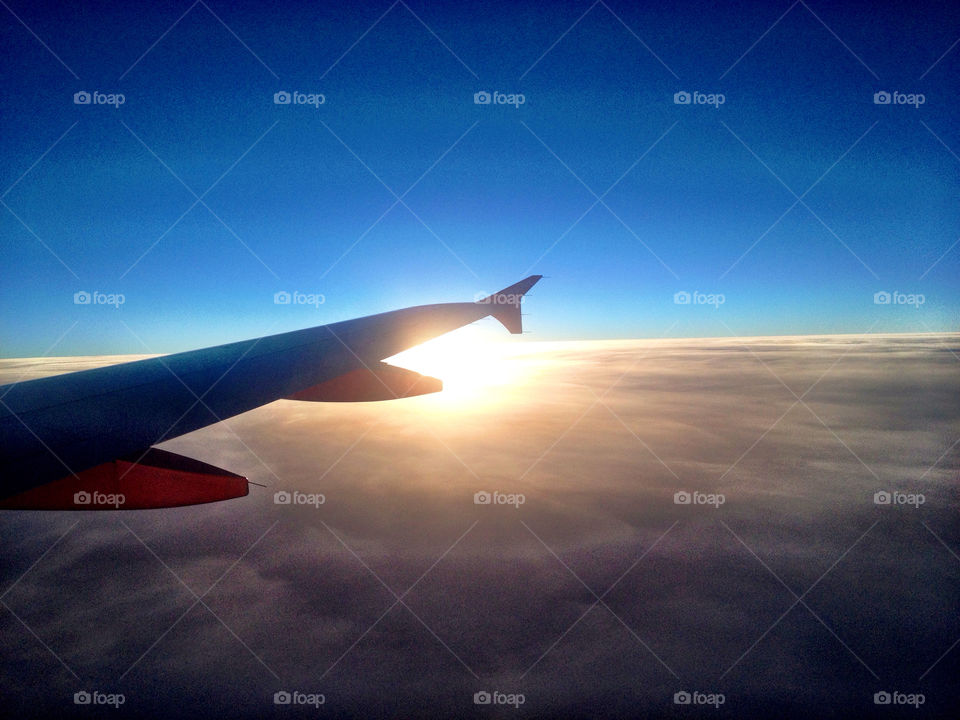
[[84, 440]]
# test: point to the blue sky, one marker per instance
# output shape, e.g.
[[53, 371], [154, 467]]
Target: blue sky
[[695, 198]]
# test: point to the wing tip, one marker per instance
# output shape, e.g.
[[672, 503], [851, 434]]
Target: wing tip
[[512, 292], [505, 305]]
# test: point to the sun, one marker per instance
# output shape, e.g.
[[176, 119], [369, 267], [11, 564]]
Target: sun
[[475, 364]]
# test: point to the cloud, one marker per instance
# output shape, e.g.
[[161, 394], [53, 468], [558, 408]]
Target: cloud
[[598, 438]]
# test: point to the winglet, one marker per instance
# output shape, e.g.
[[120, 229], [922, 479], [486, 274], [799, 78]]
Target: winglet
[[505, 305]]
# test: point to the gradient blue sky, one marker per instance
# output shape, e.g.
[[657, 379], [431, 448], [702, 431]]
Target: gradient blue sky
[[99, 198]]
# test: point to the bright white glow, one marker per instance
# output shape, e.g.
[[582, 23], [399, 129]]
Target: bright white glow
[[475, 363]]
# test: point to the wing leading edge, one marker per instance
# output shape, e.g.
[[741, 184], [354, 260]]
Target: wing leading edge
[[65, 438]]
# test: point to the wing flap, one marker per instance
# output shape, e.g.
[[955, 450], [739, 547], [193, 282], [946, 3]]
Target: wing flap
[[380, 381]]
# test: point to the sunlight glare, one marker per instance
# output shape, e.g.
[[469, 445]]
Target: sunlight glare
[[476, 364]]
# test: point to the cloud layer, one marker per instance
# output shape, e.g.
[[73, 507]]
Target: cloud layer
[[598, 596]]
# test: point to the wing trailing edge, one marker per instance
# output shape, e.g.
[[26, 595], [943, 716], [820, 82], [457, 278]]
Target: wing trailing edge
[[379, 381]]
